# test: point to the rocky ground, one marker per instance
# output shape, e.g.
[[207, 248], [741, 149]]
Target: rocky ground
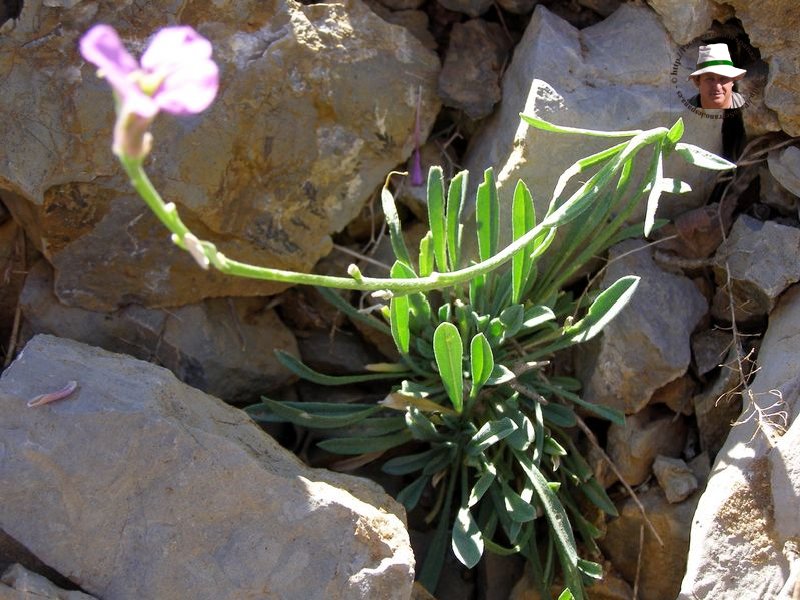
[[318, 103]]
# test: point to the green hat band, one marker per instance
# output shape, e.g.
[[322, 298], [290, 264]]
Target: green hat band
[[712, 63]]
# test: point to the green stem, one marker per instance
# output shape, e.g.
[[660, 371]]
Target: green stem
[[168, 215]]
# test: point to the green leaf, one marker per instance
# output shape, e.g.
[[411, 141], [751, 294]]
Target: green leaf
[[364, 445], [467, 539], [512, 317], [480, 487], [301, 370], [501, 374], [487, 216], [518, 510], [481, 362], [556, 517], [595, 493], [456, 196], [295, 412], [523, 220], [395, 227], [490, 433], [605, 307], [449, 352], [436, 216], [333, 298], [421, 427], [402, 465], [409, 496], [536, 315], [704, 159], [606, 412], [656, 174], [524, 435], [426, 255], [590, 569], [399, 312], [566, 595], [559, 415], [551, 446], [675, 132], [674, 186], [547, 126]]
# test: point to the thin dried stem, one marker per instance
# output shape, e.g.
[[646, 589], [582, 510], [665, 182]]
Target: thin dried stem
[[593, 440]]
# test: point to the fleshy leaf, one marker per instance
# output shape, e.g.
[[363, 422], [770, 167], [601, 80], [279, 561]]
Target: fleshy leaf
[[467, 539], [436, 217], [605, 307], [449, 352], [704, 159], [481, 362]]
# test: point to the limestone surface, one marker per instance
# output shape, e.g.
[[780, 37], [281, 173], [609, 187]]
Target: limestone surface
[[137, 486]]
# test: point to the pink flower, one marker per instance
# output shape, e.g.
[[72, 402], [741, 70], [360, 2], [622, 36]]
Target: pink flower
[[176, 75]]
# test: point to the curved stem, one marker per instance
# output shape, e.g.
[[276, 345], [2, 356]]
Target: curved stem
[[206, 253]]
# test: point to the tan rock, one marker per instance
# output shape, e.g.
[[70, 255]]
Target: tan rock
[[317, 103], [675, 478]]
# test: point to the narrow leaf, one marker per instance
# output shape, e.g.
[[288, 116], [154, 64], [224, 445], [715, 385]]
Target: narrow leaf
[[402, 465], [605, 307], [501, 374], [481, 362], [523, 220], [547, 126], [704, 159], [449, 352], [421, 427], [297, 414], [656, 189], [518, 510], [490, 433], [426, 255], [536, 315], [395, 227], [362, 445], [409, 496], [590, 569], [487, 216], [598, 496], [436, 216], [352, 312], [399, 312], [456, 195], [675, 132], [480, 487], [400, 401], [301, 370], [467, 539]]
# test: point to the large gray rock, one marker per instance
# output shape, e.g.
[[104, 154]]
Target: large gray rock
[[748, 514], [685, 20], [18, 583], [223, 346], [316, 104], [137, 486], [785, 167], [647, 345], [768, 25], [615, 75], [760, 258]]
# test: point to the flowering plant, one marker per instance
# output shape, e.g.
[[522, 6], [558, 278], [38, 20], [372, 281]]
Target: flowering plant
[[478, 415]]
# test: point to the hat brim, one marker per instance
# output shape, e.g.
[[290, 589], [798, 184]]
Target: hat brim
[[723, 70]]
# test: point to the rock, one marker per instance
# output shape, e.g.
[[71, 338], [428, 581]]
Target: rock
[[685, 21], [647, 344], [645, 435], [473, 8], [675, 478], [336, 352], [760, 258], [676, 395], [518, 7], [661, 567], [138, 486], [317, 103], [775, 195], [12, 277], [785, 167], [470, 76], [416, 21], [602, 77], [748, 512], [223, 346], [400, 5], [765, 23], [602, 7], [716, 409], [709, 348], [497, 575], [28, 584]]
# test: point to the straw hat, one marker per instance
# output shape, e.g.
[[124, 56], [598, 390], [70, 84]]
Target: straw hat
[[715, 58]]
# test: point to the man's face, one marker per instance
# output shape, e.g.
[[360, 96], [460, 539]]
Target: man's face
[[715, 90]]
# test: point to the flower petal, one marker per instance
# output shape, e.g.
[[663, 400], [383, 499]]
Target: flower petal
[[189, 90], [102, 47], [173, 47]]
